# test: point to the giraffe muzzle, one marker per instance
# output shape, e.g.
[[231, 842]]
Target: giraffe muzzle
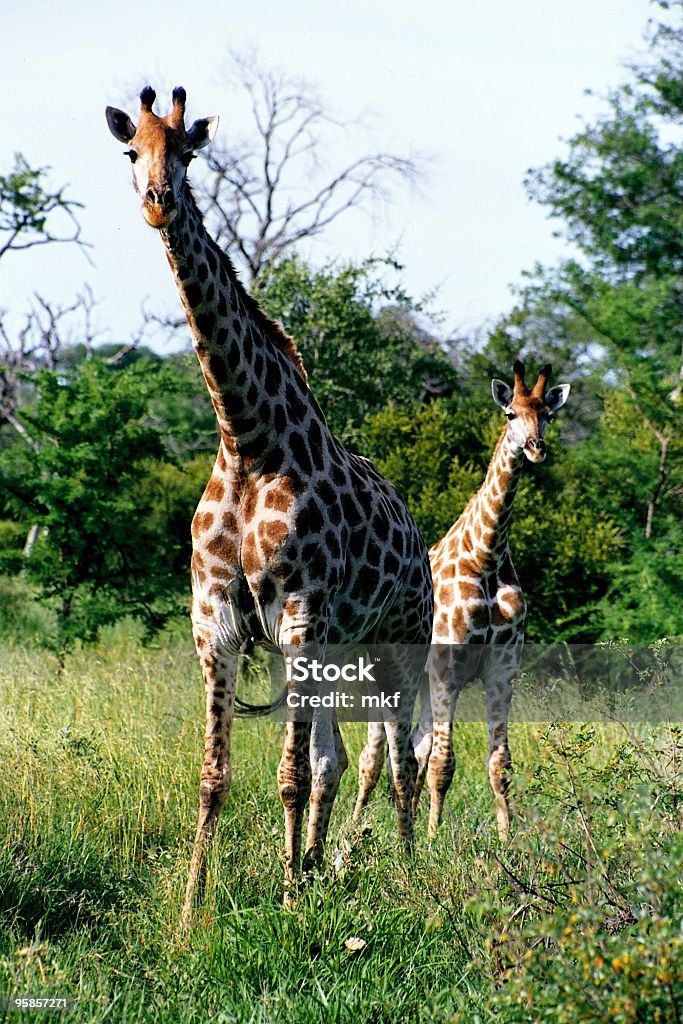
[[159, 206], [534, 449]]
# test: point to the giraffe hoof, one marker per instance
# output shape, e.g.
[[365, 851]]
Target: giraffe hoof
[[312, 862], [289, 897]]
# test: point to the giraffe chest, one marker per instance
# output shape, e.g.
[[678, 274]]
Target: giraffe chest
[[240, 536], [476, 606]]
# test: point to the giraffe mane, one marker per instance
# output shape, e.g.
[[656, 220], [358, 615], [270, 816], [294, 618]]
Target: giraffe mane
[[273, 331]]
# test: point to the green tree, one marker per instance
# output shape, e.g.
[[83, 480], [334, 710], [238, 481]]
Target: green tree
[[101, 552], [431, 455], [618, 195], [610, 319], [358, 334]]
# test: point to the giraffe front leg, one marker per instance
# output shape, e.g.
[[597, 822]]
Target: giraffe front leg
[[498, 698], [444, 664], [369, 766], [299, 629], [440, 772], [404, 774], [220, 671], [294, 784], [328, 764], [399, 675]]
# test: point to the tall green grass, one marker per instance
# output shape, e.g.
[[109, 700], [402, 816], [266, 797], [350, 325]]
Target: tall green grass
[[100, 762]]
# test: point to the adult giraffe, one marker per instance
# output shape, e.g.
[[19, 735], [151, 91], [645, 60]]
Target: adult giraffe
[[479, 609], [296, 542]]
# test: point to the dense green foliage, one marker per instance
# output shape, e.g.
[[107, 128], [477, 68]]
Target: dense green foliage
[[617, 309], [93, 483], [359, 337]]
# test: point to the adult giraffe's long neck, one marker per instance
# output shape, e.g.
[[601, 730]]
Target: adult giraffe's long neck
[[253, 372], [491, 507]]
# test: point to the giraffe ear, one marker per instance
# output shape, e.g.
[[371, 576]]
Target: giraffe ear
[[556, 397], [502, 395], [120, 125], [202, 132]]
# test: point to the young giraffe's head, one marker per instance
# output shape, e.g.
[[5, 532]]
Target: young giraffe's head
[[160, 150], [529, 410]]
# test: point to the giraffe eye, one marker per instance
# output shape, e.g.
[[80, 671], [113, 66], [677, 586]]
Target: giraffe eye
[[510, 415], [131, 154]]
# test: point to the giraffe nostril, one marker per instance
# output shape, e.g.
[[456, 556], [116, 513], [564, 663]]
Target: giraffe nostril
[[162, 197]]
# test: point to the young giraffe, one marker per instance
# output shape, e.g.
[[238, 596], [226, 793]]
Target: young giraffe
[[296, 542], [479, 609]]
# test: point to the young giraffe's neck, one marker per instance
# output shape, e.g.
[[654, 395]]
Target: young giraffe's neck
[[253, 372], [491, 507]]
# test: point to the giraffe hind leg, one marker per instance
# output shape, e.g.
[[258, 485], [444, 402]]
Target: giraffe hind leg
[[312, 756], [422, 739], [440, 772], [401, 674], [369, 766], [328, 764], [448, 667], [498, 698]]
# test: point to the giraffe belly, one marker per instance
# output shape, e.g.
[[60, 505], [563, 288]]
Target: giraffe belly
[[298, 614], [222, 617]]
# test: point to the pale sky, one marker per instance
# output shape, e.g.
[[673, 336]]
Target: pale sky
[[488, 88]]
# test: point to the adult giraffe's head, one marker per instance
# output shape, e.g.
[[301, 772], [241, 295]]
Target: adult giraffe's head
[[160, 150], [529, 410]]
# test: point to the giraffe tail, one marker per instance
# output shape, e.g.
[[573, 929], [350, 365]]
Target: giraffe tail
[[245, 710]]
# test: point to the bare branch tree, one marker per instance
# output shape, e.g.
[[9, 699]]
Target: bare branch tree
[[48, 331], [31, 215], [269, 191]]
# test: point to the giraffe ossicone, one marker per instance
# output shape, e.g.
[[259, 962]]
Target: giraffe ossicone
[[479, 610], [296, 541]]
